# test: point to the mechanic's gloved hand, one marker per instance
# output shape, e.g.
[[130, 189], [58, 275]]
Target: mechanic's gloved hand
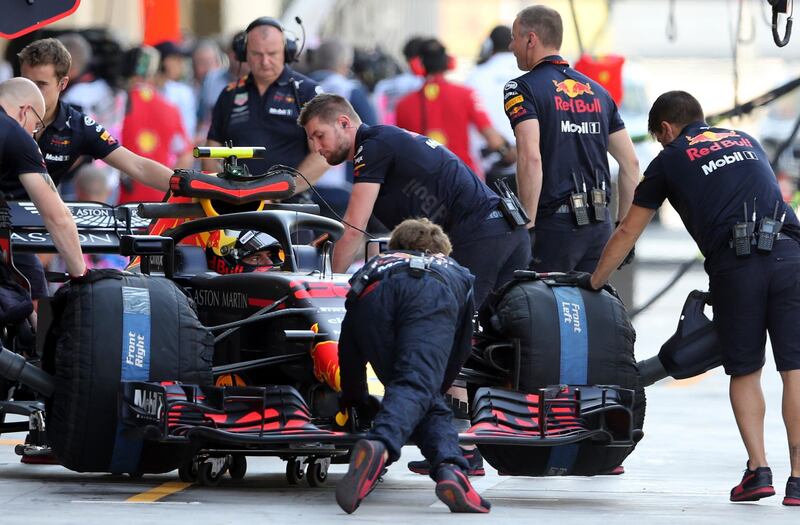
[[78, 279], [582, 280], [628, 258], [368, 409]]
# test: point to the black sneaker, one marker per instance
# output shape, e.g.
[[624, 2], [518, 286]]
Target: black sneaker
[[454, 490], [473, 457], [755, 484], [792, 497], [366, 467]]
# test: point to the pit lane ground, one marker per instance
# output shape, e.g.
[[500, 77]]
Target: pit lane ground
[[681, 472]]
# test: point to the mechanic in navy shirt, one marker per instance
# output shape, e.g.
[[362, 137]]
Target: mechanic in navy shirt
[[564, 124], [710, 175], [261, 109], [400, 175], [71, 134], [21, 105], [409, 314]]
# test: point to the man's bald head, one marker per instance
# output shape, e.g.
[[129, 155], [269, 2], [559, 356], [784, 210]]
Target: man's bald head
[[21, 92], [17, 96]]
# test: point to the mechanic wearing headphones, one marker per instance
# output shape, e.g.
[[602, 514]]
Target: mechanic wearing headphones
[[564, 124], [409, 314], [261, 108], [725, 191], [65, 135]]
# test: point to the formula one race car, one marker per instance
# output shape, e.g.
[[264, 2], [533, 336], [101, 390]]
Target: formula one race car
[[554, 385]]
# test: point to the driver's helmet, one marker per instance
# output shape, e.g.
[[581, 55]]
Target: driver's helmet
[[231, 251]]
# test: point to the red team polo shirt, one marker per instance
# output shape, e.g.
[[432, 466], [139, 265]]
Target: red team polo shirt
[[444, 111]]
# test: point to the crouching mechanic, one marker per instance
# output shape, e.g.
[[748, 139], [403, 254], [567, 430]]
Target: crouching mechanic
[[409, 314], [726, 193]]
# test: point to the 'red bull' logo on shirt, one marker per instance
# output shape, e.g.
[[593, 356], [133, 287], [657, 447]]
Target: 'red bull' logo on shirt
[[716, 141], [573, 88], [710, 136]]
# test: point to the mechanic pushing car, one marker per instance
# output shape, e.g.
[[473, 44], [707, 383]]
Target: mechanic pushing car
[[65, 135], [721, 183], [21, 105], [409, 314], [564, 124], [261, 109], [400, 175]]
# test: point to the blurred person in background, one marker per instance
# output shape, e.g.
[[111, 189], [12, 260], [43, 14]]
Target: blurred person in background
[[170, 80], [445, 111], [389, 91], [153, 127], [215, 81], [94, 86], [332, 62], [207, 59], [496, 64]]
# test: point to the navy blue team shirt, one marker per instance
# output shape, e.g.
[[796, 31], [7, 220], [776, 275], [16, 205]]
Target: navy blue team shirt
[[576, 116], [420, 178], [71, 135], [249, 119], [18, 151], [708, 174]]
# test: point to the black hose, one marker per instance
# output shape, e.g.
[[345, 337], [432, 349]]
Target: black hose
[[14, 368]]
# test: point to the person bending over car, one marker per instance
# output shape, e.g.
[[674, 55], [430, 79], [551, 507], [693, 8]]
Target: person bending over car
[[725, 191], [409, 314]]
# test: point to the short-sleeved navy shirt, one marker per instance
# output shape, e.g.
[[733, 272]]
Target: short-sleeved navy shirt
[[248, 119], [18, 151], [708, 175], [576, 115], [71, 135], [420, 178]]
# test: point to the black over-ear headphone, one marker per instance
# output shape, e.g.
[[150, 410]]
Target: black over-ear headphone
[[290, 43]]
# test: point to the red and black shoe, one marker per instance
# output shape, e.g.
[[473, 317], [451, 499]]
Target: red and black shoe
[[792, 496], [755, 484], [473, 457], [454, 490], [366, 467]]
